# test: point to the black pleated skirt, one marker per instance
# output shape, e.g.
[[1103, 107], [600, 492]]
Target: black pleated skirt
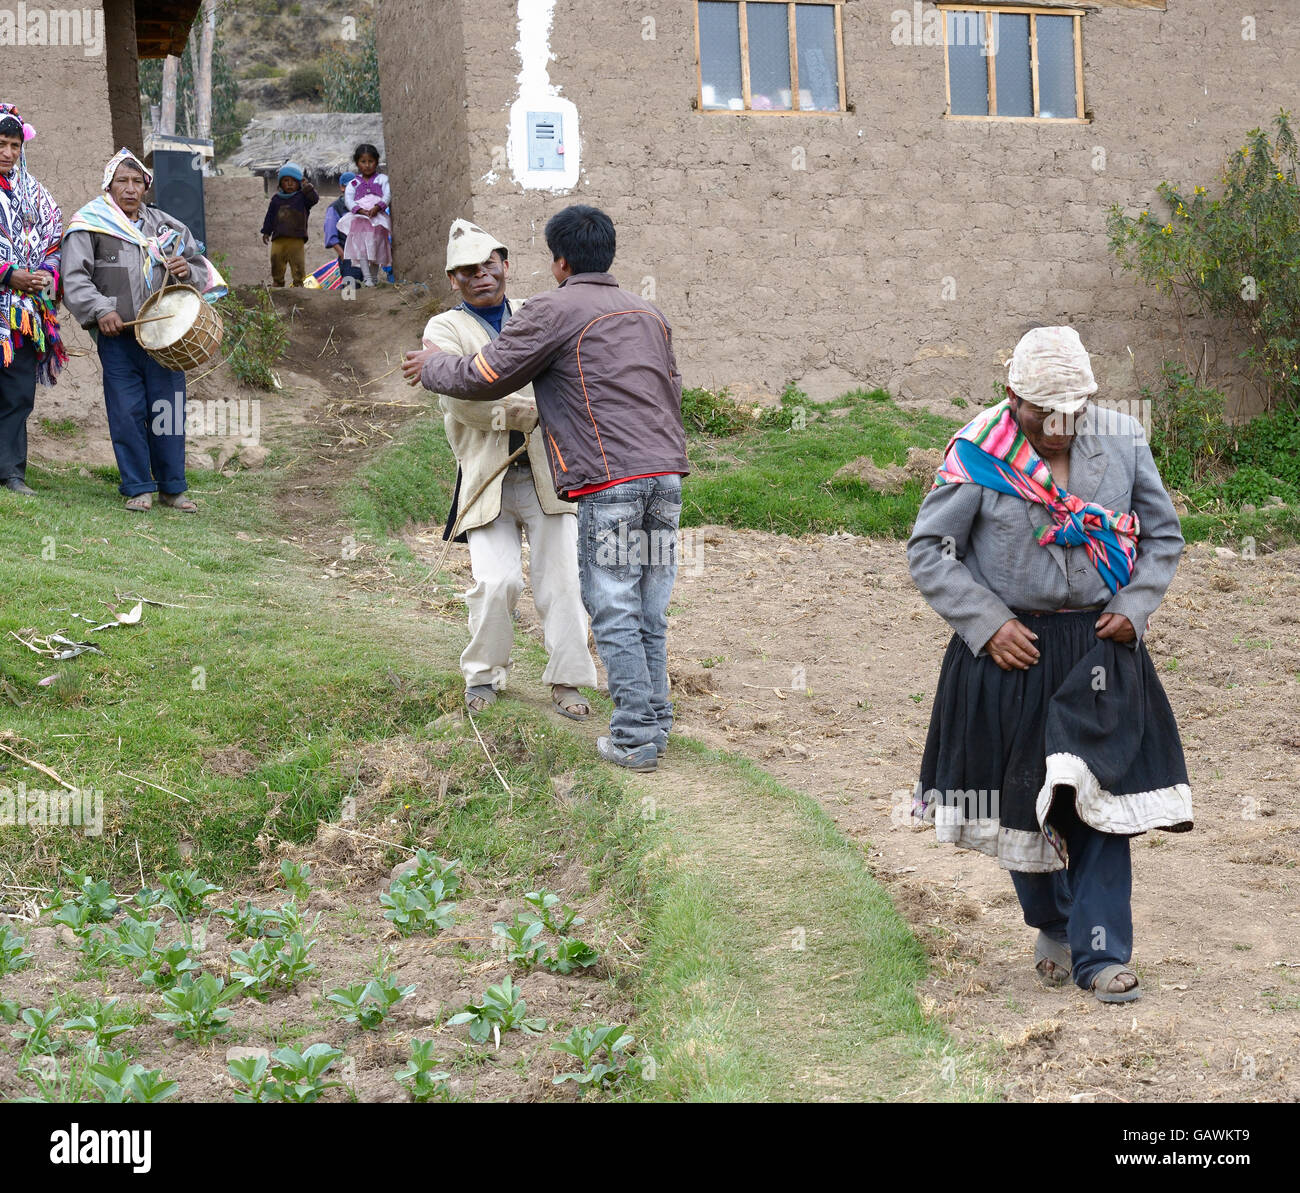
[[1089, 722]]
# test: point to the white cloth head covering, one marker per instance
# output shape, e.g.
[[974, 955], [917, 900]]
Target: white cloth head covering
[[121, 156], [1050, 368], [468, 244]]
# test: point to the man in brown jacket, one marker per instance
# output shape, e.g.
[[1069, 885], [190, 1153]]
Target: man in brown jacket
[[609, 401]]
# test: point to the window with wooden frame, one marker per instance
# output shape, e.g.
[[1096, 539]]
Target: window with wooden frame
[[769, 56], [1013, 63]]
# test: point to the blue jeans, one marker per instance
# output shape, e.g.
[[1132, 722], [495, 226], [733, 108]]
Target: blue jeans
[[1087, 905], [627, 563], [146, 416]]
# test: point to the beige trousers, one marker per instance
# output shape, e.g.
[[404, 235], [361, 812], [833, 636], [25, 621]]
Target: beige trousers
[[495, 555]]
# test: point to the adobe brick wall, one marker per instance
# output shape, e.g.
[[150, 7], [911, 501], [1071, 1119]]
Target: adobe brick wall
[[234, 205], [833, 276], [422, 94], [66, 98]]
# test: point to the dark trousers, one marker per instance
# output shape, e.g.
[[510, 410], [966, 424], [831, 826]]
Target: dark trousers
[[17, 397], [146, 416], [1087, 905]]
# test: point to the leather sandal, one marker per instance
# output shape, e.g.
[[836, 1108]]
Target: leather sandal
[[568, 700], [1101, 985], [141, 503], [1052, 960], [480, 697], [178, 501]]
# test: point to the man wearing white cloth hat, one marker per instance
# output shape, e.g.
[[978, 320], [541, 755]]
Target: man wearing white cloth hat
[[1046, 543], [521, 499]]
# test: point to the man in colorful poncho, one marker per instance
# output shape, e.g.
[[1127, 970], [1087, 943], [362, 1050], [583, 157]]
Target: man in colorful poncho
[[31, 351], [117, 251], [1047, 542]]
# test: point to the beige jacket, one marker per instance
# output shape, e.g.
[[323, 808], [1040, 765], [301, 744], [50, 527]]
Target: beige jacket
[[479, 432]]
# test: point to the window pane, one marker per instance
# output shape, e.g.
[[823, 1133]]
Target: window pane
[[769, 56], [819, 79], [1055, 66], [720, 55], [968, 71], [1015, 82]]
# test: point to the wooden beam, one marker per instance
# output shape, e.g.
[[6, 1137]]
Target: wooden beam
[[839, 54], [1078, 67], [744, 55], [1033, 57], [792, 34], [992, 60]]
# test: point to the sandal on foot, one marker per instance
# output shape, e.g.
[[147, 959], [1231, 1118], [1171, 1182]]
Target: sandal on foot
[[568, 700], [1101, 985], [178, 501], [141, 503], [1052, 959], [480, 697]]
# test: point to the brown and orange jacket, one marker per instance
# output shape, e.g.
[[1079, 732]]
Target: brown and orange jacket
[[609, 396]]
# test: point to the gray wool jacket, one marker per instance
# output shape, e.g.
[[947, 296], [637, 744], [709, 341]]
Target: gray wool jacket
[[103, 274], [974, 558]]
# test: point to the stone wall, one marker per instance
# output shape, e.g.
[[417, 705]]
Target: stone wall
[[422, 92], [909, 251]]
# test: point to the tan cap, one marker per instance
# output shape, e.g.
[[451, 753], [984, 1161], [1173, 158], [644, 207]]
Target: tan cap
[[468, 244]]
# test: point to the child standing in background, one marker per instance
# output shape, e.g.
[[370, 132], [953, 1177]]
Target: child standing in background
[[367, 224], [285, 226], [334, 239]]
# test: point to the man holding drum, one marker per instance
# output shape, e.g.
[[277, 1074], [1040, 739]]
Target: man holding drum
[[116, 252]]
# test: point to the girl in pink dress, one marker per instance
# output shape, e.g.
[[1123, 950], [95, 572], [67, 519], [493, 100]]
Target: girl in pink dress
[[367, 223]]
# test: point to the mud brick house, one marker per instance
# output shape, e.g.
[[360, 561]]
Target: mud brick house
[[865, 192], [73, 71]]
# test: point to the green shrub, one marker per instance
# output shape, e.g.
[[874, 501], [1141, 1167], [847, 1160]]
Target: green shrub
[[1188, 435], [712, 413], [1234, 257], [255, 336], [351, 75], [306, 81]]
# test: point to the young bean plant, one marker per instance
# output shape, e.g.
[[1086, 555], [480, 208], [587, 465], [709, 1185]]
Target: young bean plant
[[422, 1077], [369, 1003], [288, 1076], [586, 1043], [12, 956], [118, 1080], [186, 893], [520, 940], [558, 922], [195, 1007], [101, 1020], [570, 954], [295, 875], [502, 1009]]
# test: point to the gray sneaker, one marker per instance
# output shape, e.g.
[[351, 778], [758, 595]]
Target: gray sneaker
[[643, 758]]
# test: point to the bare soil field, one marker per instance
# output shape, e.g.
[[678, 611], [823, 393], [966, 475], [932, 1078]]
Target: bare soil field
[[818, 658]]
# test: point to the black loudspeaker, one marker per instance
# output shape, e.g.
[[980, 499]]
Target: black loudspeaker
[[178, 188]]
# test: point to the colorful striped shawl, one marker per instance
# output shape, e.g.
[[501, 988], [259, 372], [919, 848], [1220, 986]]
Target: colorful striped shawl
[[31, 230], [104, 216], [992, 451]]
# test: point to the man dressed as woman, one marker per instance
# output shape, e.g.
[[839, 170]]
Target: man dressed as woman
[[30, 349], [117, 251], [367, 223], [1047, 542]]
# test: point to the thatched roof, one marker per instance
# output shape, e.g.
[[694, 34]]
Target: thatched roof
[[320, 142]]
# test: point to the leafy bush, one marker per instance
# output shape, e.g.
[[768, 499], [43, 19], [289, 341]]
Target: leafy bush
[[1188, 434], [306, 81], [255, 336], [351, 76], [1235, 256], [712, 413], [422, 1077], [368, 1003], [586, 1044], [195, 1007]]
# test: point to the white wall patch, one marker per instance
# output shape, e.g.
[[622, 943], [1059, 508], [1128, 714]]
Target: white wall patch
[[543, 146]]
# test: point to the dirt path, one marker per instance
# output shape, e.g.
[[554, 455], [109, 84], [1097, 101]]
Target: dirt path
[[1217, 912]]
